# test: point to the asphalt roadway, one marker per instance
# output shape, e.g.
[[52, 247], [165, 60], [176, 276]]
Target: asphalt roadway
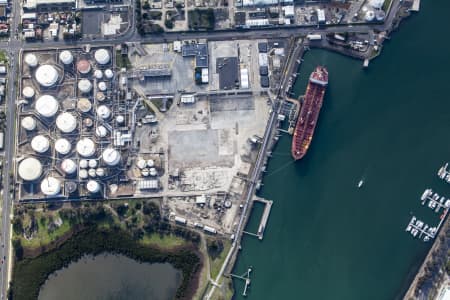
[[15, 45]]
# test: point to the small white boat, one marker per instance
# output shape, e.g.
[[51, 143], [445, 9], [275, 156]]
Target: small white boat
[[408, 228], [426, 238], [360, 183]]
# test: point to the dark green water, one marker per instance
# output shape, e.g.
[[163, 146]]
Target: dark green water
[[112, 277], [390, 125]]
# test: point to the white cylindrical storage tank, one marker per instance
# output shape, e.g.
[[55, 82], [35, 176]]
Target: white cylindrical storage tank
[[84, 105], [40, 144], [370, 15], [98, 74], [92, 163], [103, 112], [30, 169], [120, 119], [101, 131], [50, 186], [91, 173], [66, 57], [150, 163], [93, 186], [66, 122], [83, 66], [86, 147], [153, 172], [100, 172], [100, 96], [141, 163], [28, 92], [83, 174], [376, 3], [46, 75], [63, 146], [28, 123], [109, 73], [111, 156], [68, 166], [380, 15], [47, 106], [31, 60], [83, 163], [102, 86], [145, 172], [88, 122], [84, 85], [102, 56]]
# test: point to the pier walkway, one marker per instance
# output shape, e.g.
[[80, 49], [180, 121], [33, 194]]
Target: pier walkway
[[264, 218]]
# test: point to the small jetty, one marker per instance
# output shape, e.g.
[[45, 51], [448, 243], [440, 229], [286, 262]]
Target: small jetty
[[444, 173], [418, 228], [246, 278], [264, 217], [435, 201]]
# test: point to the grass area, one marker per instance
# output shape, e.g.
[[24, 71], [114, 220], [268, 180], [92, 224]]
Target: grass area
[[122, 62], [3, 56], [201, 19], [43, 236], [162, 241], [217, 263], [386, 5]]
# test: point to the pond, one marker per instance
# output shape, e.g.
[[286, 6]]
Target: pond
[[111, 276]]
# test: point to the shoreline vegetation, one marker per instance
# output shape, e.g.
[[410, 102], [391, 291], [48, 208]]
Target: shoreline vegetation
[[49, 237]]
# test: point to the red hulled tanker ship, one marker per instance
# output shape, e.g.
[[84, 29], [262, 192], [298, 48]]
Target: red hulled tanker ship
[[309, 112]]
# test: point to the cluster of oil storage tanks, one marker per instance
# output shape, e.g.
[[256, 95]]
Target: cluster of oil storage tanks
[[59, 157], [147, 167]]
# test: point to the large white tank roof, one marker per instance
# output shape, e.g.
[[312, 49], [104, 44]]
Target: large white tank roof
[[93, 186], [66, 57], [68, 166], [50, 186], [84, 85], [84, 105], [83, 174], [66, 122], [98, 74], [103, 112], [28, 123], [109, 73], [92, 163], [28, 92], [101, 131], [111, 156], [86, 147], [40, 144], [83, 163], [31, 60], [30, 169], [141, 163], [102, 56], [376, 3], [102, 86], [47, 106], [62, 146], [46, 75], [370, 15]]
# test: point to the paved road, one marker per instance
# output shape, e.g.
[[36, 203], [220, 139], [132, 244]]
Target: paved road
[[13, 47]]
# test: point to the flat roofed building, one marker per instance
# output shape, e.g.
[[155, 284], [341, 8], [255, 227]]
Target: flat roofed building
[[199, 50], [49, 5]]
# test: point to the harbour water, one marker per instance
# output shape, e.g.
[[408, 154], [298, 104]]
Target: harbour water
[[108, 277], [387, 125]]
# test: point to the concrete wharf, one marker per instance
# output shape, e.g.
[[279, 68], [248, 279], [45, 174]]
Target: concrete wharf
[[264, 218], [415, 6]]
